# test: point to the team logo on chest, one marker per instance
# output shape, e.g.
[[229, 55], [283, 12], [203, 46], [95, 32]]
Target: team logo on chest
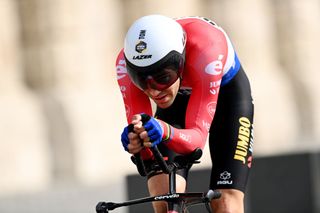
[[215, 67]]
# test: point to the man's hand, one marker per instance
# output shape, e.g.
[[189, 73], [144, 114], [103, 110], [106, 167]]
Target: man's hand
[[154, 131], [141, 135], [140, 130], [150, 132], [131, 141], [135, 144]]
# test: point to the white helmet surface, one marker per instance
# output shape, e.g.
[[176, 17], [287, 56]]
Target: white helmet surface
[[154, 51], [151, 38]]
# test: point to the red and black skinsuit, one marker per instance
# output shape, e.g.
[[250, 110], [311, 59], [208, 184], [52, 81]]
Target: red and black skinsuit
[[214, 97]]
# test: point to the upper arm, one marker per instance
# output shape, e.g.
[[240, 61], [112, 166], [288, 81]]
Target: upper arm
[[205, 68], [135, 101]]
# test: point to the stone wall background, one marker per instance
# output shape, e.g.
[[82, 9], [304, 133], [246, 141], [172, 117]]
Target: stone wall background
[[61, 112]]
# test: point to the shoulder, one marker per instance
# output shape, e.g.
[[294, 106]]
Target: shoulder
[[202, 34], [194, 19], [120, 58], [121, 66], [197, 23]]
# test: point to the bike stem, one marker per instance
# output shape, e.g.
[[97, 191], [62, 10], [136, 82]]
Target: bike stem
[[172, 189], [172, 182]]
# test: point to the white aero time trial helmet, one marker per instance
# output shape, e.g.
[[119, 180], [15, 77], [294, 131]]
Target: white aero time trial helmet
[[154, 50]]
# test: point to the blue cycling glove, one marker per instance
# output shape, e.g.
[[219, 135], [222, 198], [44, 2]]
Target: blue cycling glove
[[125, 139], [151, 125], [154, 129], [124, 136]]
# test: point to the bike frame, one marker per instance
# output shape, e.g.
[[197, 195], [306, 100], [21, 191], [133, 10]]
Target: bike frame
[[177, 202], [183, 200]]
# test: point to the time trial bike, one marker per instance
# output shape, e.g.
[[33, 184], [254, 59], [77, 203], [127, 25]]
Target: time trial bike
[[177, 202]]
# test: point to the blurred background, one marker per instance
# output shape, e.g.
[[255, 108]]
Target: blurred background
[[61, 111]]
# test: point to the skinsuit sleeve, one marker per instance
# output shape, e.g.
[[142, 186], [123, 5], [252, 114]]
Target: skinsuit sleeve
[[135, 101], [206, 56]]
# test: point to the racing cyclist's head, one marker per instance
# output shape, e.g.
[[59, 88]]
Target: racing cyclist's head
[[154, 50]]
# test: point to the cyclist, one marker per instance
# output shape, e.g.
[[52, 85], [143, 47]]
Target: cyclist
[[190, 70]]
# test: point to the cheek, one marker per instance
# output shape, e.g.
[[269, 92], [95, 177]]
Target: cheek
[[175, 91], [171, 95]]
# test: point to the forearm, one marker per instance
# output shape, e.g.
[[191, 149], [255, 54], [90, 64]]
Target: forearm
[[182, 141]]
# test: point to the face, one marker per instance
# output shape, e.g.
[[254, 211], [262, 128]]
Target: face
[[164, 98]]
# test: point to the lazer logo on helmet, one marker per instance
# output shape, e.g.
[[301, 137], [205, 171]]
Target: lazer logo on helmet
[[141, 46], [139, 57]]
